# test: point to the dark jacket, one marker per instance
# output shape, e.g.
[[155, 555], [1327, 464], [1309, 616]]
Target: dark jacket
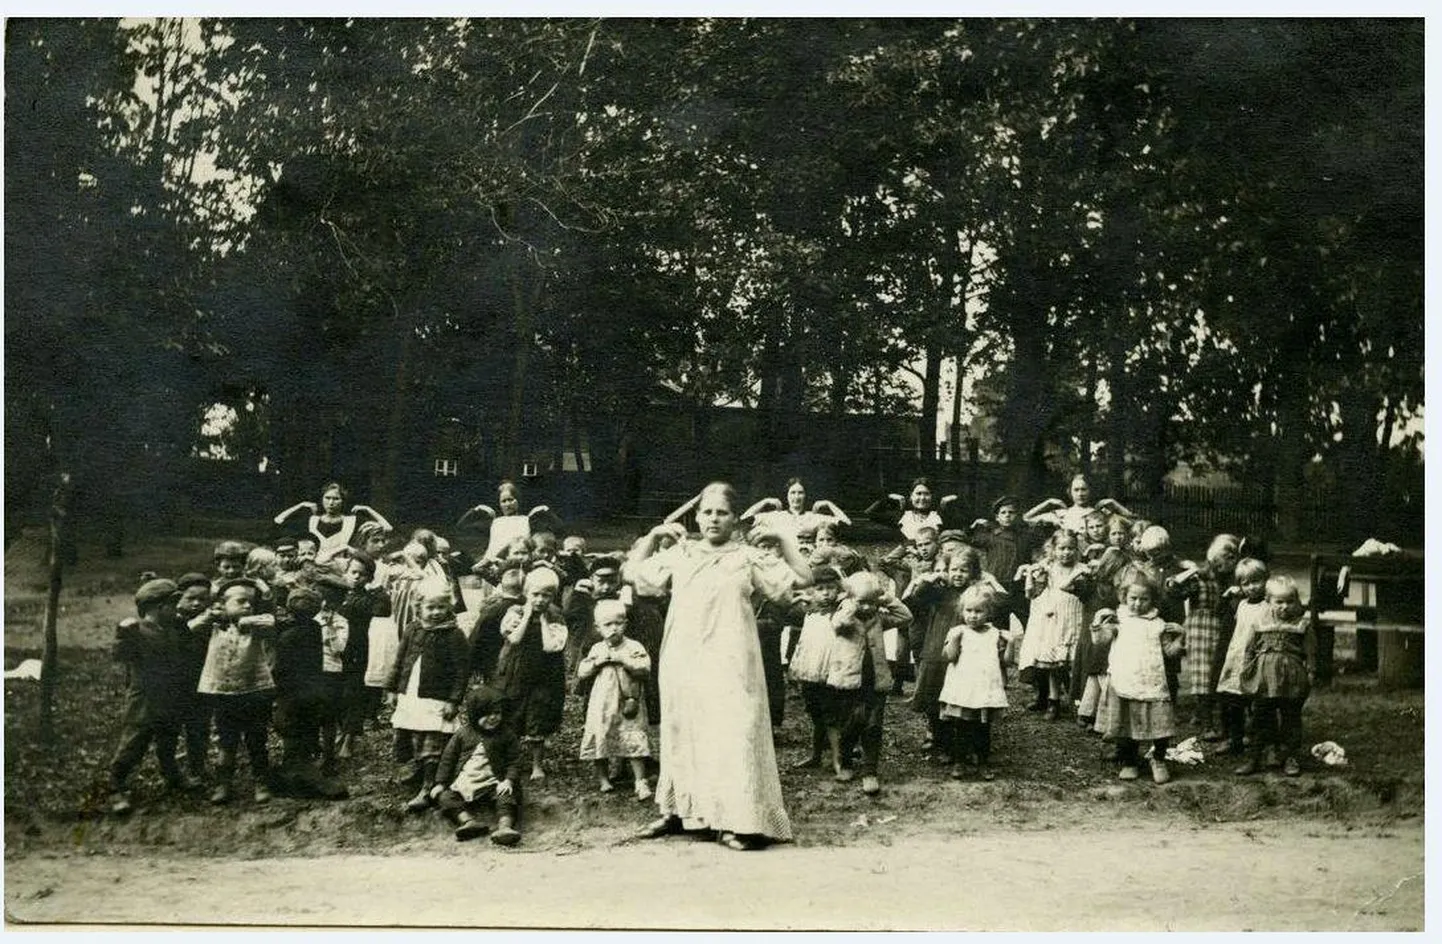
[[445, 661], [151, 653], [300, 660], [359, 607], [486, 638], [503, 749]]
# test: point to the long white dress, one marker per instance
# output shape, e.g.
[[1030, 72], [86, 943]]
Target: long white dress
[[718, 765]]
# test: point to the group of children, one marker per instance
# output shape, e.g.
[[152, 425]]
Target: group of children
[[476, 659]]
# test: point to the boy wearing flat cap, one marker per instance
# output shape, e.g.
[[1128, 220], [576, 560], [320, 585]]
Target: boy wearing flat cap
[[1006, 542], [148, 649]]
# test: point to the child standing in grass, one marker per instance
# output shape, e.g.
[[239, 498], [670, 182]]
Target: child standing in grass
[[616, 723], [811, 659], [1139, 704], [1276, 675], [531, 669], [1251, 612], [857, 675], [973, 693], [237, 676], [1056, 589], [426, 688], [149, 650]]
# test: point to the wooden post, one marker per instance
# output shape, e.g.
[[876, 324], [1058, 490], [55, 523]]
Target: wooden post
[[59, 503]]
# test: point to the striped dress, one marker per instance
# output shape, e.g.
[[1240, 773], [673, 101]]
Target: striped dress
[[1203, 628]]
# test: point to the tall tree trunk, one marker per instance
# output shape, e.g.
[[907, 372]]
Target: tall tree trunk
[[1292, 418], [50, 655], [958, 436], [930, 405], [1117, 420]]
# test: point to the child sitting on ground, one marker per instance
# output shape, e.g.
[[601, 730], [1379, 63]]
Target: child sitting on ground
[[481, 765], [149, 650], [616, 722]]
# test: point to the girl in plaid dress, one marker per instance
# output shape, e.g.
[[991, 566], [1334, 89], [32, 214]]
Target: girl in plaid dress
[[1203, 628]]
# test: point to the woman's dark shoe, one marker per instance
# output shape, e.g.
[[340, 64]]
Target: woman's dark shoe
[[665, 826]]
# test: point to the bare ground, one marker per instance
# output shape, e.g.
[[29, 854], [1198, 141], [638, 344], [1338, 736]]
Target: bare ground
[[1277, 876]]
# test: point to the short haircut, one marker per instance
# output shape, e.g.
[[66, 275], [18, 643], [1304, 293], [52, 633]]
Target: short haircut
[[1223, 545], [1280, 585], [862, 585], [925, 531], [1136, 577], [1249, 568], [979, 595], [542, 578], [365, 560], [608, 608], [1154, 538]]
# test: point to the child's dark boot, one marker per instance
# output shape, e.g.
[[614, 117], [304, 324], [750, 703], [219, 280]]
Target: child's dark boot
[[505, 833], [224, 774]]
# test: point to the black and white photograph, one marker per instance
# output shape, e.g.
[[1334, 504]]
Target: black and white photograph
[[716, 472]]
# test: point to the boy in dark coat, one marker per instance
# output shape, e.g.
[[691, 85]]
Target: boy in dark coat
[[149, 649], [302, 694], [481, 765]]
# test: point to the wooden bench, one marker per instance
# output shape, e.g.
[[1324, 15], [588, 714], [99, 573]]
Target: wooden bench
[[1383, 599]]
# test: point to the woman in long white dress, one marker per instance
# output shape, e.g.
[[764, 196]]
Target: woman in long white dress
[[718, 765]]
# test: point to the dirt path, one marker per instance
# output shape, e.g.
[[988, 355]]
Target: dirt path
[[1278, 876]]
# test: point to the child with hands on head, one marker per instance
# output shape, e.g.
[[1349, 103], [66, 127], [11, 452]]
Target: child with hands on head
[[426, 686], [238, 674], [935, 601], [1056, 588], [974, 692], [616, 722], [1233, 704], [1276, 675], [1139, 705], [810, 659], [857, 676], [531, 669]]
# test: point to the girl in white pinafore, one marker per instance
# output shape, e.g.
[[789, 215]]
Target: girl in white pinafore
[[974, 692]]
